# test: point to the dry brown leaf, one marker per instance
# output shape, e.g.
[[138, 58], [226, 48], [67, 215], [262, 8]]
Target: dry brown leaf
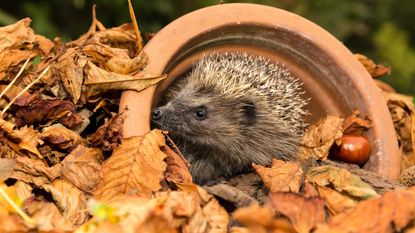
[[392, 212], [100, 53], [11, 36], [304, 213], [139, 167], [23, 100], [319, 138], [99, 81], [177, 170], [281, 176], [21, 140], [62, 138], [261, 219], [402, 111], [47, 111], [70, 200], [375, 70], [34, 171], [356, 125], [122, 37], [48, 217], [82, 167], [14, 57], [18, 43], [339, 188], [126, 65], [69, 69], [108, 136]]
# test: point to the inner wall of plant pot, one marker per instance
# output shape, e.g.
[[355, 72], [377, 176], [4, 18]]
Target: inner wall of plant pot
[[323, 81], [326, 84]]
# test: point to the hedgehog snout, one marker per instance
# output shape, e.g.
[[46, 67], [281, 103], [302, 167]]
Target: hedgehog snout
[[156, 114]]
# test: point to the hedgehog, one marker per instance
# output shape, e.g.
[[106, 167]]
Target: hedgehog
[[230, 111]]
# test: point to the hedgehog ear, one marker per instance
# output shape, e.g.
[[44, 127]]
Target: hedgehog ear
[[249, 113]]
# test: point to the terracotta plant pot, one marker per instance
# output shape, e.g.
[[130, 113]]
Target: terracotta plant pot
[[335, 81]]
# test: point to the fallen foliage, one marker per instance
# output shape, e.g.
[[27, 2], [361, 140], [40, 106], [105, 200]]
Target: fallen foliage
[[64, 166]]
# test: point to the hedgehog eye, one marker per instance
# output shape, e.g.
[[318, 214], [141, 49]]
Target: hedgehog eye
[[200, 113]]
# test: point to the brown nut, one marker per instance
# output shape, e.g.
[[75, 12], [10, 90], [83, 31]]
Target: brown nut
[[353, 149]]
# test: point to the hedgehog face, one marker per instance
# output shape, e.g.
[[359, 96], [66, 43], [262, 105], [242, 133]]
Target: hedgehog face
[[201, 116]]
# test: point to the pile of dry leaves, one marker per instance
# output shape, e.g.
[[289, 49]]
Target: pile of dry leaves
[[63, 167]]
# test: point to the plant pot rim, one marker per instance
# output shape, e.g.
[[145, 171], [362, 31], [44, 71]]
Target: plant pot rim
[[179, 40]]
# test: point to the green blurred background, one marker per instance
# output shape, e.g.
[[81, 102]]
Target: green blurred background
[[384, 30]]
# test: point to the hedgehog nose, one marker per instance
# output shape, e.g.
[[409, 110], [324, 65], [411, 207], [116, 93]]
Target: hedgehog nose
[[156, 114]]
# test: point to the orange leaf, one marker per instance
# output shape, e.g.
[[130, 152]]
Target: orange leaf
[[375, 70], [304, 213], [392, 212], [281, 176], [136, 166], [319, 138], [177, 170]]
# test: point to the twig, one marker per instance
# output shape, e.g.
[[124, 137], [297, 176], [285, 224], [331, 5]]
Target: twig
[[15, 78], [25, 89], [136, 28], [6, 197]]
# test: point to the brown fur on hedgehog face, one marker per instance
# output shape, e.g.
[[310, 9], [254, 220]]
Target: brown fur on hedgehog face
[[223, 116], [206, 118]]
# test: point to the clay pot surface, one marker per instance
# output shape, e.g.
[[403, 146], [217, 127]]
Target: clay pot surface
[[333, 78]]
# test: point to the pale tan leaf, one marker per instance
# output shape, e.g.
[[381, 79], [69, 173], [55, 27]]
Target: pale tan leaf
[[48, 217], [99, 81], [304, 213], [82, 167], [70, 200], [392, 212], [139, 167], [281, 176], [34, 171], [6, 168], [319, 138]]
